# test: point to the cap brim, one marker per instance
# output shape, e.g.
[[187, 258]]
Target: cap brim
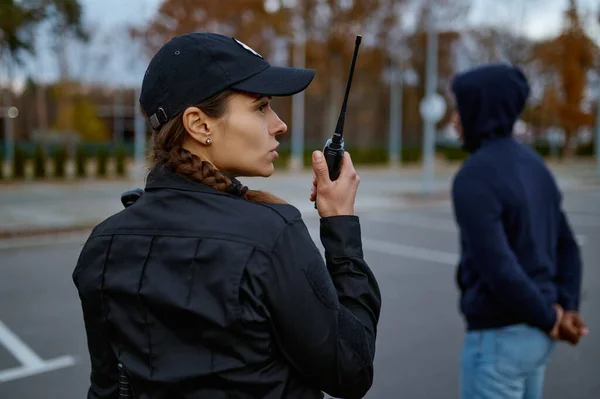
[[277, 81]]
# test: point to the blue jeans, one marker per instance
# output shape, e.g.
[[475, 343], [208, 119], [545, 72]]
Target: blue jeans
[[505, 363]]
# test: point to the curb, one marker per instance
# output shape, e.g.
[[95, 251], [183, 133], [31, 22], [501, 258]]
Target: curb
[[44, 231]]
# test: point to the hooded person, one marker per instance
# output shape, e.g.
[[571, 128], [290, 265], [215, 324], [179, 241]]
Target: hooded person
[[519, 273]]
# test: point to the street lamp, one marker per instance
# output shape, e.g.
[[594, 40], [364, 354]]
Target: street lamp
[[10, 113], [432, 106], [298, 60], [597, 139], [397, 77]]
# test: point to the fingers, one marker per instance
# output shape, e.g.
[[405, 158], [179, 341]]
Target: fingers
[[580, 325], [559, 318], [347, 167], [347, 170], [320, 168]]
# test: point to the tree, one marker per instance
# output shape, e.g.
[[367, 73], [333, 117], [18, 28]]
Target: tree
[[569, 56], [79, 115], [330, 27], [17, 20], [175, 17]]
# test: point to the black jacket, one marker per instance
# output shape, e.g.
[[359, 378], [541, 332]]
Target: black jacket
[[202, 294]]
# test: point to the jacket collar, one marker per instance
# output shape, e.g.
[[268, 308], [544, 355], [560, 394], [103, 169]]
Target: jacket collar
[[161, 177]]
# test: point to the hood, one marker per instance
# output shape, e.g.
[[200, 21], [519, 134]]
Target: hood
[[489, 100]]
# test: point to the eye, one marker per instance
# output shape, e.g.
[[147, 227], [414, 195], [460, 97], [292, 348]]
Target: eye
[[263, 106]]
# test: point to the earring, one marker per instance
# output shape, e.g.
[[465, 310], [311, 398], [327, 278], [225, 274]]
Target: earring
[[208, 141]]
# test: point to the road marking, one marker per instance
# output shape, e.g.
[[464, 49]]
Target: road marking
[[31, 363], [439, 224], [427, 222], [429, 255], [390, 248], [41, 241]]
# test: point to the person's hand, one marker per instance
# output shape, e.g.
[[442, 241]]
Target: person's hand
[[554, 333], [572, 328], [334, 198]]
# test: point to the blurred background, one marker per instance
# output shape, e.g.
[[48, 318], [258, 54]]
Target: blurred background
[[71, 70]]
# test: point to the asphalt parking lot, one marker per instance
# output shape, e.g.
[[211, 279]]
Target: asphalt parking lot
[[413, 253]]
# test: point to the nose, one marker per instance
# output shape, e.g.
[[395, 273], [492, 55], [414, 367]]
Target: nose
[[277, 126]]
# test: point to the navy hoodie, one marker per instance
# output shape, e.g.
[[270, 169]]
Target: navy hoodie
[[518, 253]]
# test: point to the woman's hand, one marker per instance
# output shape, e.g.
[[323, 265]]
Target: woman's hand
[[334, 198]]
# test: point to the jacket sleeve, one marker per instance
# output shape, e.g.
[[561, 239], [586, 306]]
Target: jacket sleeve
[[479, 216], [569, 267], [104, 371], [325, 315]]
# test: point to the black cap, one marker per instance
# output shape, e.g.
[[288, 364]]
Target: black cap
[[193, 67]]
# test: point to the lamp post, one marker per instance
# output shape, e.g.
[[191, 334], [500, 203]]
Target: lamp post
[[299, 60], [432, 106]]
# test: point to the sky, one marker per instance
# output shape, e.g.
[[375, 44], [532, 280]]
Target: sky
[[112, 60]]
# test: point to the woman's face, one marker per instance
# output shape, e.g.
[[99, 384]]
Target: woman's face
[[244, 140]]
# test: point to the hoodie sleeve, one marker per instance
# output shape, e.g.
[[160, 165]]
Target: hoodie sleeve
[[479, 216], [569, 267]]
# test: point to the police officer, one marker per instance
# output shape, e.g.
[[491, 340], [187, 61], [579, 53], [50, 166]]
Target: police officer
[[204, 288]]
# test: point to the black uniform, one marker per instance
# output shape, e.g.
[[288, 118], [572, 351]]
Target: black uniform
[[203, 294]]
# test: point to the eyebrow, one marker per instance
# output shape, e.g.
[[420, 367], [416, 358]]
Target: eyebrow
[[260, 97]]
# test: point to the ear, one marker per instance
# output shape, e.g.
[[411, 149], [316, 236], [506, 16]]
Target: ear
[[198, 125]]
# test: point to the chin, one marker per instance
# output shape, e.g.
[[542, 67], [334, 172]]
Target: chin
[[267, 171], [258, 172]]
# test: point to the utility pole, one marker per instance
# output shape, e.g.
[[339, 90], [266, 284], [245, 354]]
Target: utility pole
[[118, 116], [430, 117], [139, 140], [8, 115], [395, 127], [597, 139], [299, 60]]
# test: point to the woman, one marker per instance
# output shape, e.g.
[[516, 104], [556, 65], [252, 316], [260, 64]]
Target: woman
[[206, 289]]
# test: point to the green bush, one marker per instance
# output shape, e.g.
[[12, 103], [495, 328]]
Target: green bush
[[411, 155], [586, 150], [454, 153], [120, 159], [102, 156], [60, 162], [81, 157], [19, 159], [39, 162]]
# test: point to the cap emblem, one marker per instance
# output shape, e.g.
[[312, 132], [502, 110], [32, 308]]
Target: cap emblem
[[248, 48]]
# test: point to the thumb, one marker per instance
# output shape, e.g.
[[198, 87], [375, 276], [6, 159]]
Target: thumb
[[320, 167]]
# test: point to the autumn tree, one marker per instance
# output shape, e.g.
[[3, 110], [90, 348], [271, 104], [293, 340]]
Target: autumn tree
[[330, 27], [247, 19], [19, 21], [569, 57]]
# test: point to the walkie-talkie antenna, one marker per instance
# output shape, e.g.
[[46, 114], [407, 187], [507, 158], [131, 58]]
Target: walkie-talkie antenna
[[339, 128]]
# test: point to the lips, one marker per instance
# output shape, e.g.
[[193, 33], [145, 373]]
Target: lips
[[274, 151]]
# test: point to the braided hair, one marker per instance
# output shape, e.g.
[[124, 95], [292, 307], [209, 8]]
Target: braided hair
[[167, 151]]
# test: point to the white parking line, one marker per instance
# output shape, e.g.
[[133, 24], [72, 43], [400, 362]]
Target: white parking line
[[390, 248], [439, 224], [429, 255], [31, 363], [41, 241]]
